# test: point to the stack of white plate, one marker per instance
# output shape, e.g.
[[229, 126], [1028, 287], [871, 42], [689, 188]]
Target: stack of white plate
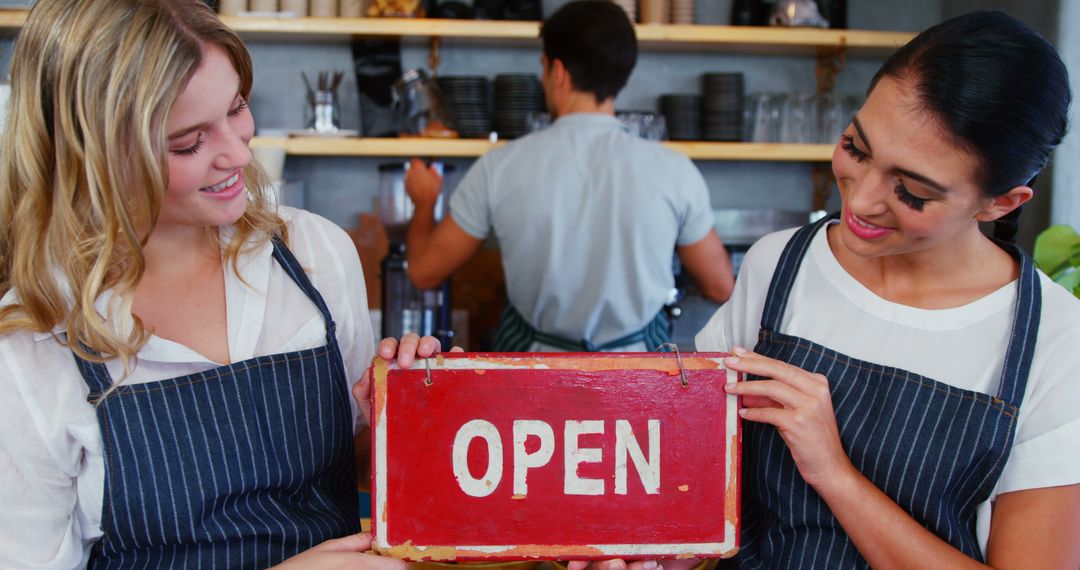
[[630, 6], [682, 11]]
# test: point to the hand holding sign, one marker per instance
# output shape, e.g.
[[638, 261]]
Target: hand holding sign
[[347, 552], [405, 352]]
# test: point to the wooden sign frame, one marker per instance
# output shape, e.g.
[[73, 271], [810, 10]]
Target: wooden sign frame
[[676, 500]]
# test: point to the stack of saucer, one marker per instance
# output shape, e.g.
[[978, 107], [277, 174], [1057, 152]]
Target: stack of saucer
[[682, 114], [682, 11], [722, 106], [630, 6], [469, 98], [517, 97]]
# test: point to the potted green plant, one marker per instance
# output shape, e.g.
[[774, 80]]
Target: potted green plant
[[1057, 252]]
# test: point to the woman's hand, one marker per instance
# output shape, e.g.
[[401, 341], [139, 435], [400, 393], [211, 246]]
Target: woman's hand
[[614, 564], [799, 404], [343, 553], [422, 183], [410, 347], [619, 564]]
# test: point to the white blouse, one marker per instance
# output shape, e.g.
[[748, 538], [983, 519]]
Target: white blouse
[[51, 466], [961, 346]]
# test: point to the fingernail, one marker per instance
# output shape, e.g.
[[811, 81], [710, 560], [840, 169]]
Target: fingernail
[[742, 412], [739, 350], [731, 360], [650, 565], [729, 386], [619, 565]]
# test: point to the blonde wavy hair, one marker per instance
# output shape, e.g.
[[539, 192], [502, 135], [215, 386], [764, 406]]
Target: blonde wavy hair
[[83, 168]]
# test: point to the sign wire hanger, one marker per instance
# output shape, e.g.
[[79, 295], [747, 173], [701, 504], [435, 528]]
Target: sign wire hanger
[[678, 356]]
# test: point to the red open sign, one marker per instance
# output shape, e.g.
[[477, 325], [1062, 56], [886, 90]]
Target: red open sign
[[555, 456]]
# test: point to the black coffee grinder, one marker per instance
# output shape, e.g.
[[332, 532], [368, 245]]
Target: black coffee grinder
[[405, 308]]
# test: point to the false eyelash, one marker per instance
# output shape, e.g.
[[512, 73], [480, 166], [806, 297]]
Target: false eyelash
[[910, 200], [847, 142]]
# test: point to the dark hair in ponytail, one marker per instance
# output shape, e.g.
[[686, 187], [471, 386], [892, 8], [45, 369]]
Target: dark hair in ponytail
[[998, 87]]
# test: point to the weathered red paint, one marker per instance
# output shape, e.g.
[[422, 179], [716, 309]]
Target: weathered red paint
[[422, 511]]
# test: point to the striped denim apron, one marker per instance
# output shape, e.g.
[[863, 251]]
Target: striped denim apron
[[515, 334], [240, 466], [935, 449]]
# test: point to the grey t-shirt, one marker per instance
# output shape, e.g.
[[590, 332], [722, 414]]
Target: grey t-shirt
[[587, 217]]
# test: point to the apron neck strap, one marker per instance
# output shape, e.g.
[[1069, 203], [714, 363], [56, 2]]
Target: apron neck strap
[[1025, 328]]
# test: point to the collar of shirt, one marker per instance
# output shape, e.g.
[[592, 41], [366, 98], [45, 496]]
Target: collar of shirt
[[589, 120]]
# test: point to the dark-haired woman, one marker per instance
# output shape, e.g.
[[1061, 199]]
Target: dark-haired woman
[[916, 402]]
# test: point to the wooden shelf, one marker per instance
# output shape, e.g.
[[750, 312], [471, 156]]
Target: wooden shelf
[[753, 151], [377, 147], [728, 38], [469, 148], [11, 19]]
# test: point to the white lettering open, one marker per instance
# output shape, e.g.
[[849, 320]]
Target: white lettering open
[[627, 451]]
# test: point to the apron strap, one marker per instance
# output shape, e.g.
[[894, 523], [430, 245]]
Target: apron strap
[[786, 270], [515, 334], [296, 272], [1025, 329], [95, 374]]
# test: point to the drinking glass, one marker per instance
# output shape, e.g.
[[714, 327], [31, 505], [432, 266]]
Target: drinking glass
[[322, 114], [764, 118], [797, 119]]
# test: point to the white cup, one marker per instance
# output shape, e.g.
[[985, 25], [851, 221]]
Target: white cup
[[232, 7], [5, 101], [324, 8], [272, 160], [351, 8], [263, 5], [295, 7]]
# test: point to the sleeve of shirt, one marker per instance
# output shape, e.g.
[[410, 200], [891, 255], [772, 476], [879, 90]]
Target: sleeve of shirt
[[470, 204], [737, 322], [356, 338], [1048, 431], [697, 216], [342, 286], [38, 526]]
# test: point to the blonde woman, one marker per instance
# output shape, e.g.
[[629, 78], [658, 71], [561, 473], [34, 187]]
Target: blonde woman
[[176, 355]]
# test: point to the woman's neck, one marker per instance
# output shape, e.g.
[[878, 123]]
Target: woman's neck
[[181, 295], [959, 271], [176, 247]]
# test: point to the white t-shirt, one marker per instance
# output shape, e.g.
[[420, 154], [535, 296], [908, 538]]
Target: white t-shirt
[[962, 346], [588, 217], [51, 467]]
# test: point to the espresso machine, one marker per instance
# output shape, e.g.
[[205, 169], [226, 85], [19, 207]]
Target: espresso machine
[[405, 308]]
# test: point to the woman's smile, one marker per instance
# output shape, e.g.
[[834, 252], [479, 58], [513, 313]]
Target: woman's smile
[[864, 229], [226, 189]]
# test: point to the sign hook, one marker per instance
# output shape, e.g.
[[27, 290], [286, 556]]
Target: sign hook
[[678, 356]]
